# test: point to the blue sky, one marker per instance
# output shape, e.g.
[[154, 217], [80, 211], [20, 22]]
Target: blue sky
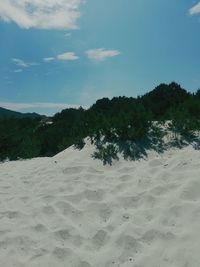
[[60, 53]]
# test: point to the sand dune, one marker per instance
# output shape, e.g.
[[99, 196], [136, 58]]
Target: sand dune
[[71, 211]]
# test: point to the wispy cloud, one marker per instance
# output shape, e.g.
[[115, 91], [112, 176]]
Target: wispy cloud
[[18, 71], [43, 14], [20, 63], [68, 34], [195, 9], [48, 59], [101, 54], [67, 56]]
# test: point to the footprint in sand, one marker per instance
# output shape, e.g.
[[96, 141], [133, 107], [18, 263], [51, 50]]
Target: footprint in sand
[[129, 202], [94, 171], [73, 170], [155, 163], [75, 198], [119, 188], [63, 234], [165, 176], [191, 191], [100, 238], [97, 210], [83, 264], [128, 243], [13, 215], [154, 170], [62, 253], [126, 170], [48, 198], [94, 195], [125, 178], [105, 212], [25, 243], [161, 190], [24, 199], [68, 236], [49, 210], [40, 228], [152, 235], [67, 209]]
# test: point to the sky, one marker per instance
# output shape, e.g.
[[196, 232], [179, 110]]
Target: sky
[[69, 53]]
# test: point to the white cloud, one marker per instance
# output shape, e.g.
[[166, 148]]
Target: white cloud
[[195, 9], [101, 54], [43, 14], [48, 59], [23, 64], [67, 56]]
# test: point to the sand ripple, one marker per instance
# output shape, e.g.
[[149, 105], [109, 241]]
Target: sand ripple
[[71, 211]]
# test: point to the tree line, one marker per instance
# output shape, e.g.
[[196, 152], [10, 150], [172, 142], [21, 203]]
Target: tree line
[[123, 125]]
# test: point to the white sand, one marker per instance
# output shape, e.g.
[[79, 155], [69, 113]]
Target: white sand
[[71, 211]]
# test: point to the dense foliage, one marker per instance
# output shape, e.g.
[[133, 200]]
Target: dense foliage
[[122, 124]]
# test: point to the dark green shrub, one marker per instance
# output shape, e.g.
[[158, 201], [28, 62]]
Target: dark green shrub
[[106, 153]]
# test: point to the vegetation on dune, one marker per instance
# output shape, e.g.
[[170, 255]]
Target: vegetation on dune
[[120, 125]]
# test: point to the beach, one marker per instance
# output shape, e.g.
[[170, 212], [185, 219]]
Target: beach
[[72, 211]]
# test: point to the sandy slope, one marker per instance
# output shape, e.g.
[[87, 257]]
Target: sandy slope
[[70, 210]]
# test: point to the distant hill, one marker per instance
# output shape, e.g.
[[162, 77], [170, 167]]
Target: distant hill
[[6, 113], [121, 124]]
